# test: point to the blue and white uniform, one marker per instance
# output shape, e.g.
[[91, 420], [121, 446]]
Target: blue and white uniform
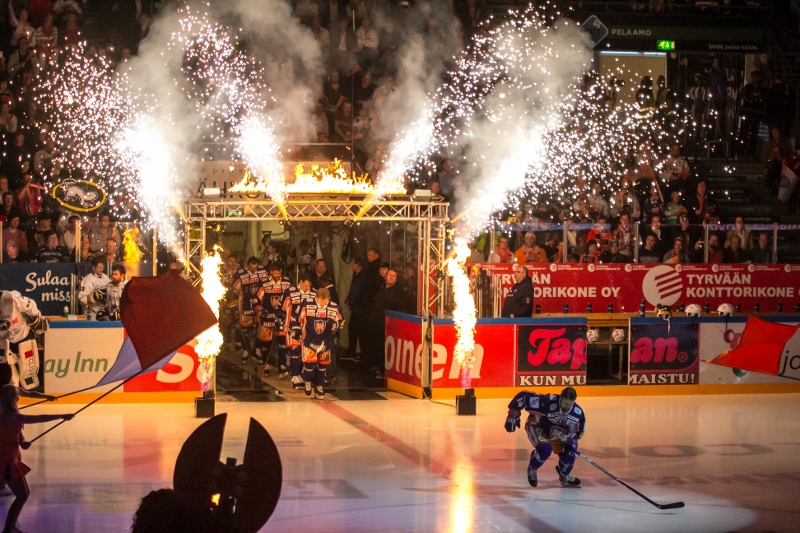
[[546, 423], [293, 299], [319, 326], [271, 318]]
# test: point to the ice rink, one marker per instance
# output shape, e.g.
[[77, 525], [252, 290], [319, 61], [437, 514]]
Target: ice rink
[[413, 465]]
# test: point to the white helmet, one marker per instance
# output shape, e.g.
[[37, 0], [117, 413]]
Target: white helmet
[[618, 335], [725, 310], [593, 335], [693, 310]]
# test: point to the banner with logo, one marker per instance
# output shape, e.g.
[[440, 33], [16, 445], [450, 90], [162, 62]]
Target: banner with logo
[[551, 353], [718, 335], [78, 353], [47, 284], [624, 286], [403, 348], [492, 358], [663, 352]]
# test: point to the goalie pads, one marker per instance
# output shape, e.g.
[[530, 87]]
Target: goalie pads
[[28, 364]]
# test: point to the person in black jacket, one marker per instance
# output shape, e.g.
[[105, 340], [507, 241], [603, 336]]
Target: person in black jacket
[[357, 302], [321, 279], [389, 298], [519, 300]]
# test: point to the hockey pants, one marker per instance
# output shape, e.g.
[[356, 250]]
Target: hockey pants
[[543, 450]]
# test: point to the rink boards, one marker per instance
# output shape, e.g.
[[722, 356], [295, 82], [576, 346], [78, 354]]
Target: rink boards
[[654, 356]]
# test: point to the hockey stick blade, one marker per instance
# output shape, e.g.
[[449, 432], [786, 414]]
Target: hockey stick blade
[[676, 505]]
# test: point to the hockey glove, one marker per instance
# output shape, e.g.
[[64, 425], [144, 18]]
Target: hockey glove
[[295, 333], [512, 423], [567, 446]]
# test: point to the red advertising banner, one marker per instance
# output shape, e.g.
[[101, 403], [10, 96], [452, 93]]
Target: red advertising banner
[[551, 354], [180, 374], [624, 286], [403, 348], [663, 353], [493, 362]]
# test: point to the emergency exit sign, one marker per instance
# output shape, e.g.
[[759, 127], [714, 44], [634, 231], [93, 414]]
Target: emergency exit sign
[[665, 45]]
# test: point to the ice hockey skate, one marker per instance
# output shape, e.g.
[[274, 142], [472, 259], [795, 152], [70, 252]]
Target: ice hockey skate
[[284, 372], [533, 478], [308, 389], [567, 480], [319, 393]]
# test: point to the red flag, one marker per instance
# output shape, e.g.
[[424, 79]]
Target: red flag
[[762, 348]]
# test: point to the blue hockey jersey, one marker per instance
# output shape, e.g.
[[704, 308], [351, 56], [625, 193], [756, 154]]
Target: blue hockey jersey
[[544, 413], [247, 285], [319, 325], [271, 295], [293, 299]]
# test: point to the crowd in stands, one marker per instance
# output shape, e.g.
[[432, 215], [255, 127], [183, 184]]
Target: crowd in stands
[[669, 232]]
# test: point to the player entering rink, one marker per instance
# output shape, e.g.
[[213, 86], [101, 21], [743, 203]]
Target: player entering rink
[[555, 423]]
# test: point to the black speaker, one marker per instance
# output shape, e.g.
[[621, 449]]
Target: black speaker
[[466, 404], [204, 407]]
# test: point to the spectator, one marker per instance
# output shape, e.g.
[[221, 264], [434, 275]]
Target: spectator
[[383, 269], [22, 28], [600, 233], [597, 204], [661, 92], [7, 210], [676, 254], [72, 34], [68, 237], [624, 236], [21, 58], [778, 108], [64, 7], [29, 195], [690, 234], [674, 170], [742, 232], [654, 205], [86, 252], [52, 252], [762, 251], [343, 123], [529, 252], [334, 92], [718, 86], [8, 120], [735, 253], [714, 251], [648, 253], [101, 232], [363, 90], [552, 245], [654, 229], [367, 39], [391, 297], [592, 254], [613, 255], [47, 34], [343, 41], [625, 201], [321, 279], [501, 253], [674, 207], [42, 158], [751, 111], [700, 205], [112, 252], [320, 122], [519, 299], [37, 236], [13, 233], [306, 257], [12, 253]]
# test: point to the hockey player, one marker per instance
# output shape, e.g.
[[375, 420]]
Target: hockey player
[[271, 317], [555, 423], [114, 291], [20, 320], [319, 321], [247, 283], [292, 302], [93, 285]]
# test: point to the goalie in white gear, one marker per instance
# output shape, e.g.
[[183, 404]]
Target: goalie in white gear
[[20, 321]]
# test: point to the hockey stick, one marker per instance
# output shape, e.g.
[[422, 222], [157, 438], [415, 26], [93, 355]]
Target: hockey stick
[[676, 505]]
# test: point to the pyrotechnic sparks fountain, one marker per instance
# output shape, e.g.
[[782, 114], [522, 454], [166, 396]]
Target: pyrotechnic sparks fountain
[[464, 311], [210, 341]]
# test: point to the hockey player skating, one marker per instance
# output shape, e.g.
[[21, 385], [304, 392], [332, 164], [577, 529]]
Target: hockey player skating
[[292, 302], [555, 423], [319, 321], [271, 317], [247, 283]]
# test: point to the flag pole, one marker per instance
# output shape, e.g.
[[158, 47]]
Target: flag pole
[[57, 397], [84, 407]]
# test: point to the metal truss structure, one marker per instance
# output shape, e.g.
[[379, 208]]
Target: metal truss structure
[[431, 218]]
